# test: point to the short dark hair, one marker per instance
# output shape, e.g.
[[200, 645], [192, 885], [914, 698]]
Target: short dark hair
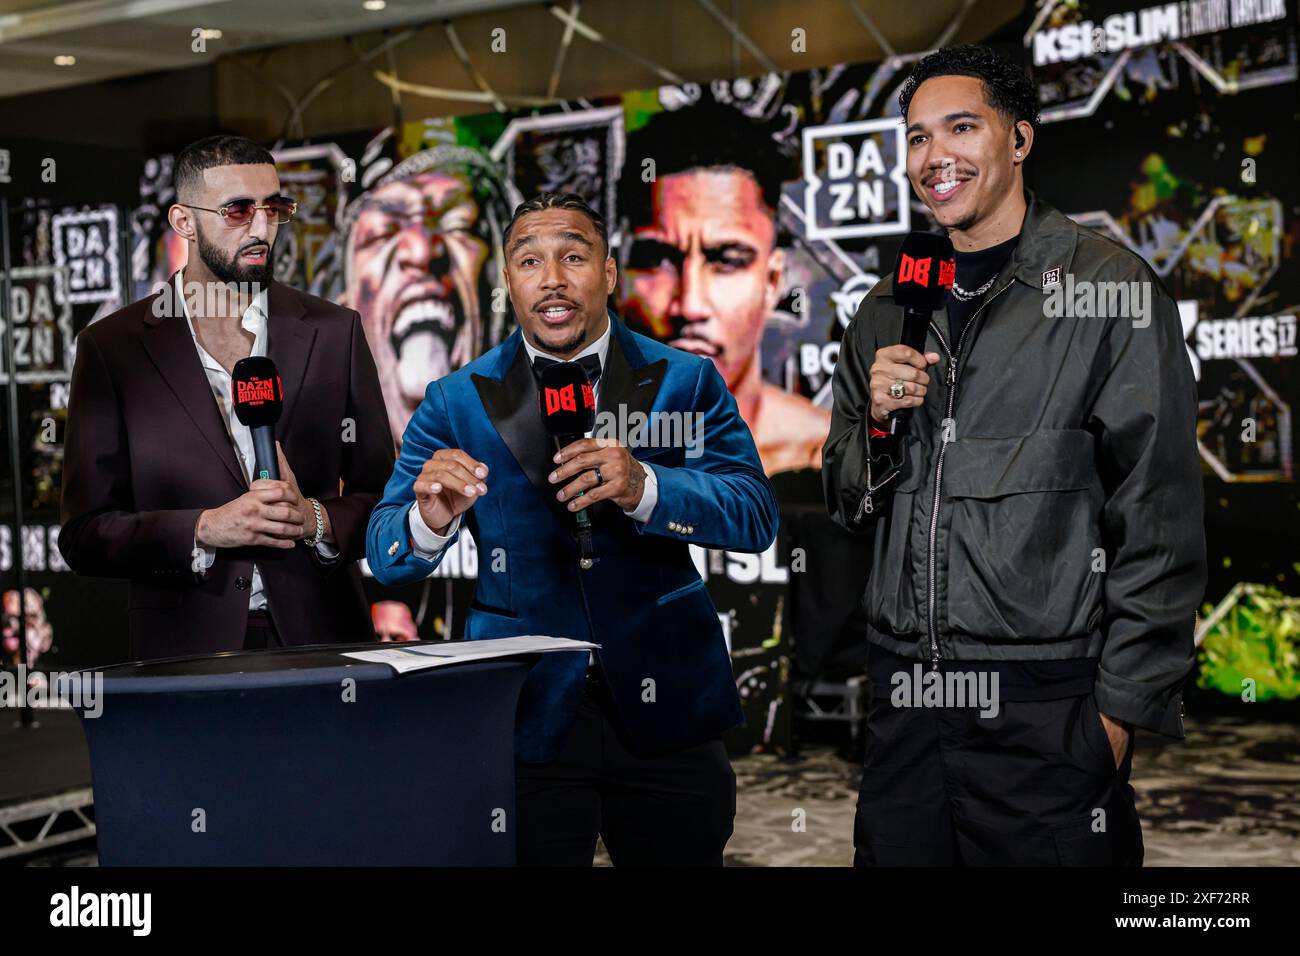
[[221, 150], [710, 135], [1007, 87], [544, 201]]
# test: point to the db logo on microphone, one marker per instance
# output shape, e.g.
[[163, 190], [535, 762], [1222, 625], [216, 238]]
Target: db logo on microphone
[[918, 270], [564, 399], [560, 399]]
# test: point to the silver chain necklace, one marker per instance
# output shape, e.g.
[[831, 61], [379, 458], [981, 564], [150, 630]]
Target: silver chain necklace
[[963, 296]]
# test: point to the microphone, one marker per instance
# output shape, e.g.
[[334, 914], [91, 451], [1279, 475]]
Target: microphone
[[923, 275], [567, 401], [258, 397]]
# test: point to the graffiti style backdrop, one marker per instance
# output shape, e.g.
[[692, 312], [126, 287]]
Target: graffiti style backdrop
[[749, 218], [1186, 152]]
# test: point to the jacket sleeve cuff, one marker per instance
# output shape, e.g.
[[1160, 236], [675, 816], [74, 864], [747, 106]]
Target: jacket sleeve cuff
[[1133, 702], [327, 551], [881, 469], [426, 543], [202, 558], [649, 496]]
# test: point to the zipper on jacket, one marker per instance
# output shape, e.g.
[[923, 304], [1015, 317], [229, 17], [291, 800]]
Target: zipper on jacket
[[951, 376], [867, 506]]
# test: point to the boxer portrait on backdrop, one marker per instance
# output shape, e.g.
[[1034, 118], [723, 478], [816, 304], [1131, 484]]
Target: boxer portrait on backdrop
[[1040, 529], [704, 272], [624, 744], [158, 482], [420, 260]]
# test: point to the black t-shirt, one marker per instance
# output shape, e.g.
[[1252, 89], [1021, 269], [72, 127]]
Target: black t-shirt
[[1017, 680], [973, 270]]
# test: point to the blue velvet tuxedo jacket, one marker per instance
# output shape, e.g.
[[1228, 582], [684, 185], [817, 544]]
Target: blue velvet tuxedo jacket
[[662, 648]]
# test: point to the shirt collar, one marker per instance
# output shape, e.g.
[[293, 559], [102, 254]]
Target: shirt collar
[[600, 347], [254, 319]]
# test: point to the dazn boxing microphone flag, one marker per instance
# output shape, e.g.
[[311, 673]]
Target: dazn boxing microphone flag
[[258, 398]]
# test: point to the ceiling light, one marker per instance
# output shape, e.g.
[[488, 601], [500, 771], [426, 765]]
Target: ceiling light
[[65, 60], [210, 34], [374, 5]]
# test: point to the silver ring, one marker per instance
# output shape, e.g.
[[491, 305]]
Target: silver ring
[[898, 390], [600, 479]]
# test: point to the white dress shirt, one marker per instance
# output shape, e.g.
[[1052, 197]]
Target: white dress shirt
[[427, 544], [241, 436]]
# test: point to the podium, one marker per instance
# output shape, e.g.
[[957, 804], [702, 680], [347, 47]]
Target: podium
[[303, 757]]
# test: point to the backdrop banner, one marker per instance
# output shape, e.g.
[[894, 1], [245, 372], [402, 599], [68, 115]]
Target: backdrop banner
[[749, 218]]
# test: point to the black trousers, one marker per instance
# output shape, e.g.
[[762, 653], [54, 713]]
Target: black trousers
[[1034, 785], [260, 635], [673, 809]]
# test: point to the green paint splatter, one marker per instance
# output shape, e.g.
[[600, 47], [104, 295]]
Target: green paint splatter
[[638, 107], [1256, 635]]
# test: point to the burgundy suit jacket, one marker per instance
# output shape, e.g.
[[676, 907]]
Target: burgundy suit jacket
[[146, 450]]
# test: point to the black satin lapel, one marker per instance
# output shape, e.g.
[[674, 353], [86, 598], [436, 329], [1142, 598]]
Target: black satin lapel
[[624, 391], [288, 345], [632, 388], [511, 404], [171, 348]]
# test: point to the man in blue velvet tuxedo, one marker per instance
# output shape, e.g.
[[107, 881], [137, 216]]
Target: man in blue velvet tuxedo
[[626, 743]]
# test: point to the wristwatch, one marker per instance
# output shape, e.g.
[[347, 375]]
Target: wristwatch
[[313, 540]]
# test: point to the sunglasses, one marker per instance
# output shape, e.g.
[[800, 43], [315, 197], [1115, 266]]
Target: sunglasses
[[240, 212]]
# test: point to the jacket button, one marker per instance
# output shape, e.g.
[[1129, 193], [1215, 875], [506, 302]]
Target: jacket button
[[241, 583]]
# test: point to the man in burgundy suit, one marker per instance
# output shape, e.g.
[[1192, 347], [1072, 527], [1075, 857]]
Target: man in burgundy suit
[[157, 480]]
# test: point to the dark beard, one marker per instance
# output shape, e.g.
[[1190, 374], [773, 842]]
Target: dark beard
[[571, 346], [229, 270], [965, 224]]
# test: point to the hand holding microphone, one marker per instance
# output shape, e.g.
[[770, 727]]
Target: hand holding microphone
[[600, 468], [567, 401], [272, 513], [922, 277], [899, 363], [589, 469], [263, 516]]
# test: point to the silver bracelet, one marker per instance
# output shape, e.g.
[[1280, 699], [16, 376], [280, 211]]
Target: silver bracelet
[[320, 525]]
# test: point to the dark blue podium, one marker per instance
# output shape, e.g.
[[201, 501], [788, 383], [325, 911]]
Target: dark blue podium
[[303, 757]]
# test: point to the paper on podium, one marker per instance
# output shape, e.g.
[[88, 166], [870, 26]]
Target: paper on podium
[[406, 657]]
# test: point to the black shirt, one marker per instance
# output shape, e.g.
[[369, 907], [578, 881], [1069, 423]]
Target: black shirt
[[973, 270]]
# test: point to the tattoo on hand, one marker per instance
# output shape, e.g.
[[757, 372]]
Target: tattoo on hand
[[635, 482]]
